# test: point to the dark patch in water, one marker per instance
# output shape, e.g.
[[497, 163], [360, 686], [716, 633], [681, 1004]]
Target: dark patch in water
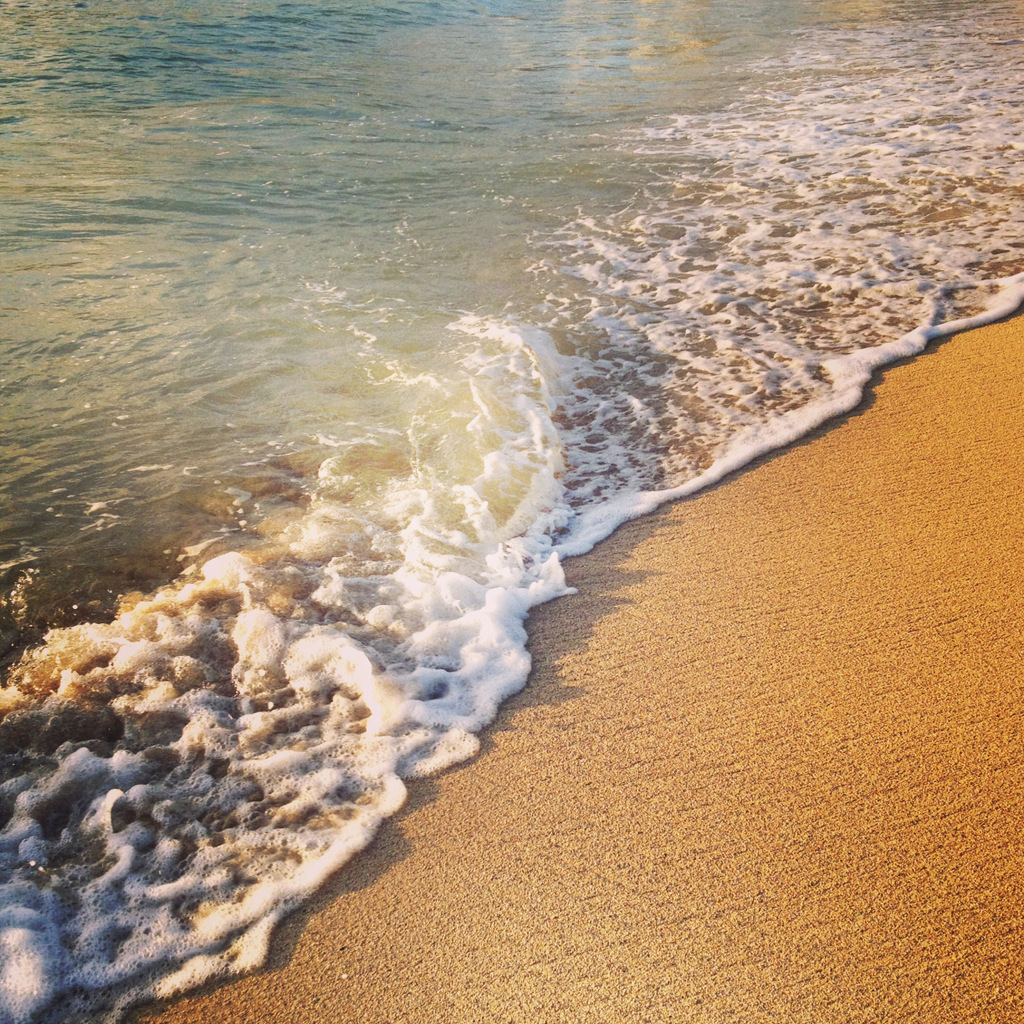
[[45, 728]]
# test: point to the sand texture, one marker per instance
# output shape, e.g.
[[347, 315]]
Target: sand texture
[[769, 766]]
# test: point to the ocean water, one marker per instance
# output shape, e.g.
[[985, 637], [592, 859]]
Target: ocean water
[[330, 329]]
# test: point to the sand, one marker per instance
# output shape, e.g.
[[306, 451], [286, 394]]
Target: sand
[[769, 765]]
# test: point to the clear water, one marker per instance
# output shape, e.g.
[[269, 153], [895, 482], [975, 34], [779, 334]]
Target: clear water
[[231, 233], [328, 330]]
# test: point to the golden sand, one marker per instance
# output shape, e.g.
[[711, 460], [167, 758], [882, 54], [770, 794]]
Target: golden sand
[[769, 765]]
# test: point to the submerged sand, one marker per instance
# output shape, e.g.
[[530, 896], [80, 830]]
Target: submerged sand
[[769, 765]]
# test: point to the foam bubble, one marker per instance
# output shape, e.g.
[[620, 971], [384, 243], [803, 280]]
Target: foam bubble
[[265, 708], [29, 962], [838, 203]]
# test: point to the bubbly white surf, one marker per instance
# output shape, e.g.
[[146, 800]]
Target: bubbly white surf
[[180, 777]]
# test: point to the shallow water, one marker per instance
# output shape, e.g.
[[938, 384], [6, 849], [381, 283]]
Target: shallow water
[[330, 330]]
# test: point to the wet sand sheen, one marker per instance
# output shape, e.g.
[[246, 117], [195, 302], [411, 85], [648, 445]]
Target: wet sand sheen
[[768, 766]]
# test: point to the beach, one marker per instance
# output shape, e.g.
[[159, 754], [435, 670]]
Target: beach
[[767, 766], [335, 337]]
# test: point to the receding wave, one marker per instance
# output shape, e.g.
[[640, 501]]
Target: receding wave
[[868, 185]]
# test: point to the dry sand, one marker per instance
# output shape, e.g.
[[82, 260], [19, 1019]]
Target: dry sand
[[769, 766]]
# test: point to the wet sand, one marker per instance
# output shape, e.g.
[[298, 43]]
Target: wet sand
[[769, 766]]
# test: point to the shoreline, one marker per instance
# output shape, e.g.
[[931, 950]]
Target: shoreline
[[767, 766]]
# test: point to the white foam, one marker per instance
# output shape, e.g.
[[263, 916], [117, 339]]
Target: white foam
[[844, 199], [850, 375], [272, 709]]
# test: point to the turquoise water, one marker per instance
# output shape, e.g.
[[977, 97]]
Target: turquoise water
[[330, 330], [209, 207]]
